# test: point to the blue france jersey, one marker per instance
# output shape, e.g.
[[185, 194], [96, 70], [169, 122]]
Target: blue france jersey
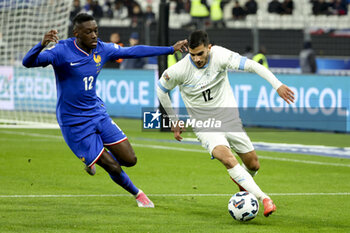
[[76, 72]]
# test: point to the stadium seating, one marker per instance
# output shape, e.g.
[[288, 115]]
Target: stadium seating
[[282, 34], [301, 18]]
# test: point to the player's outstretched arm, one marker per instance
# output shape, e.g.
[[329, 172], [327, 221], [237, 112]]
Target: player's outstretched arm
[[181, 46], [286, 93], [34, 57], [50, 36], [138, 51], [164, 99], [177, 132]]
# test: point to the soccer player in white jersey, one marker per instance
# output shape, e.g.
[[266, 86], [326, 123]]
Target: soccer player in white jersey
[[203, 83]]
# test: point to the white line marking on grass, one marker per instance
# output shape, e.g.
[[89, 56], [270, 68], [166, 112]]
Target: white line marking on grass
[[186, 149], [170, 148], [167, 195], [260, 156], [32, 134], [304, 161], [64, 195], [329, 151], [282, 144], [28, 140], [309, 194]]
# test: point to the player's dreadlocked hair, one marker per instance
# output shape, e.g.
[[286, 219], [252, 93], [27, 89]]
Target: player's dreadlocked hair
[[197, 38], [81, 18]]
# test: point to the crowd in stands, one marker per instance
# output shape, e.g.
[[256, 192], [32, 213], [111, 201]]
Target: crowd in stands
[[284, 8], [115, 9], [202, 11], [334, 7], [239, 12], [199, 9]]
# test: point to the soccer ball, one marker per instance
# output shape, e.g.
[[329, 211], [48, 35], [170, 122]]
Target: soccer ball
[[243, 206]]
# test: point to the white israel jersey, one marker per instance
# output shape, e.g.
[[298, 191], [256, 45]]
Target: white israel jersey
[[206, 91], [207, 86], [207, 94]]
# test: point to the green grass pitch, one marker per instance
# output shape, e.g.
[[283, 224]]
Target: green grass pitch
[[43, 187]]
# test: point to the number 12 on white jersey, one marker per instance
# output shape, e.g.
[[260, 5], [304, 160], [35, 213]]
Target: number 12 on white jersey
[[206, 95]]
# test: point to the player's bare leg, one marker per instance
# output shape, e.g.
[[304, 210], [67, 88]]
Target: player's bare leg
[[250, 162], [123, 154], [241, 177], [223, 154], [252, 165], [107, 162]]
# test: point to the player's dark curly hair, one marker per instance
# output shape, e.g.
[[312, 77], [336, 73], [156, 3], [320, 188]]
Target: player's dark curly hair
[[81, 18], [197, 38]]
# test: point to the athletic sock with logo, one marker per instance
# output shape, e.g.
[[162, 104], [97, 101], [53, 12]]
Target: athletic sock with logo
[[244, 179]]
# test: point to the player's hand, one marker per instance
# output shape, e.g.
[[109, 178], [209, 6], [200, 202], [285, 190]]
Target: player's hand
[[177, 132], [286, 93], [50, 36], [180, 46]]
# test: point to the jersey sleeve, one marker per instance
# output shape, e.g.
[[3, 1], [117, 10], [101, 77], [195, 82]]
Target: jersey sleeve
[[170, 79], [262, 71], [229, 59], [36, 57], [115, 51]]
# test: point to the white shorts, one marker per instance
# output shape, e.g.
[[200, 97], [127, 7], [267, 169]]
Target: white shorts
[[237, 141]]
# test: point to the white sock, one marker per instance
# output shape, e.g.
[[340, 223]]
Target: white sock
[[244, 179], [251, 172]]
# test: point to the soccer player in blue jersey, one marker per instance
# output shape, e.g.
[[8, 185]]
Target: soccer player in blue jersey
[[86, 127]]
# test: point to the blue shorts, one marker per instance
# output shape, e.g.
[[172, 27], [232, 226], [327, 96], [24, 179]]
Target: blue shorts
[[87, 140]]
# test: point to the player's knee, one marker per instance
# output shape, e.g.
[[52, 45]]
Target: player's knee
[[132, 160], [253, 165], [229, 161]]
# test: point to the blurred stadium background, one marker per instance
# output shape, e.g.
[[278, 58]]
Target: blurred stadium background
[[29, 94], [281, 34], [45, 189]]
